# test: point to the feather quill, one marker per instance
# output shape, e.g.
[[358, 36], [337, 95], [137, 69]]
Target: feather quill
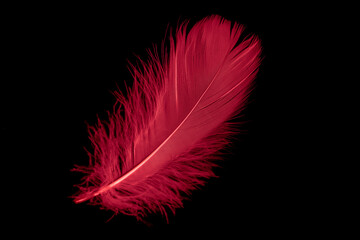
[[160, 142]]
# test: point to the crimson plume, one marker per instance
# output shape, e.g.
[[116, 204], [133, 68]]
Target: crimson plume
[[160, 142]]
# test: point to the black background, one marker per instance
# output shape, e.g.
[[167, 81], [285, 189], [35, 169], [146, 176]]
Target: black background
[[65, 60]]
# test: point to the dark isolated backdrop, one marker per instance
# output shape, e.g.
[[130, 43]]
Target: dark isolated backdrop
[[67, 59]]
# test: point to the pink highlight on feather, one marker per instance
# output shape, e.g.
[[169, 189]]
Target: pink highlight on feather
[[162, 141], [111, 185]]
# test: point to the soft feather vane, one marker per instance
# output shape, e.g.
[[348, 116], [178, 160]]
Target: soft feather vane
[[161, 141]]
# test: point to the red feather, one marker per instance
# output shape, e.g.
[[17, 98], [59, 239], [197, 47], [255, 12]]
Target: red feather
[[161, 142]]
